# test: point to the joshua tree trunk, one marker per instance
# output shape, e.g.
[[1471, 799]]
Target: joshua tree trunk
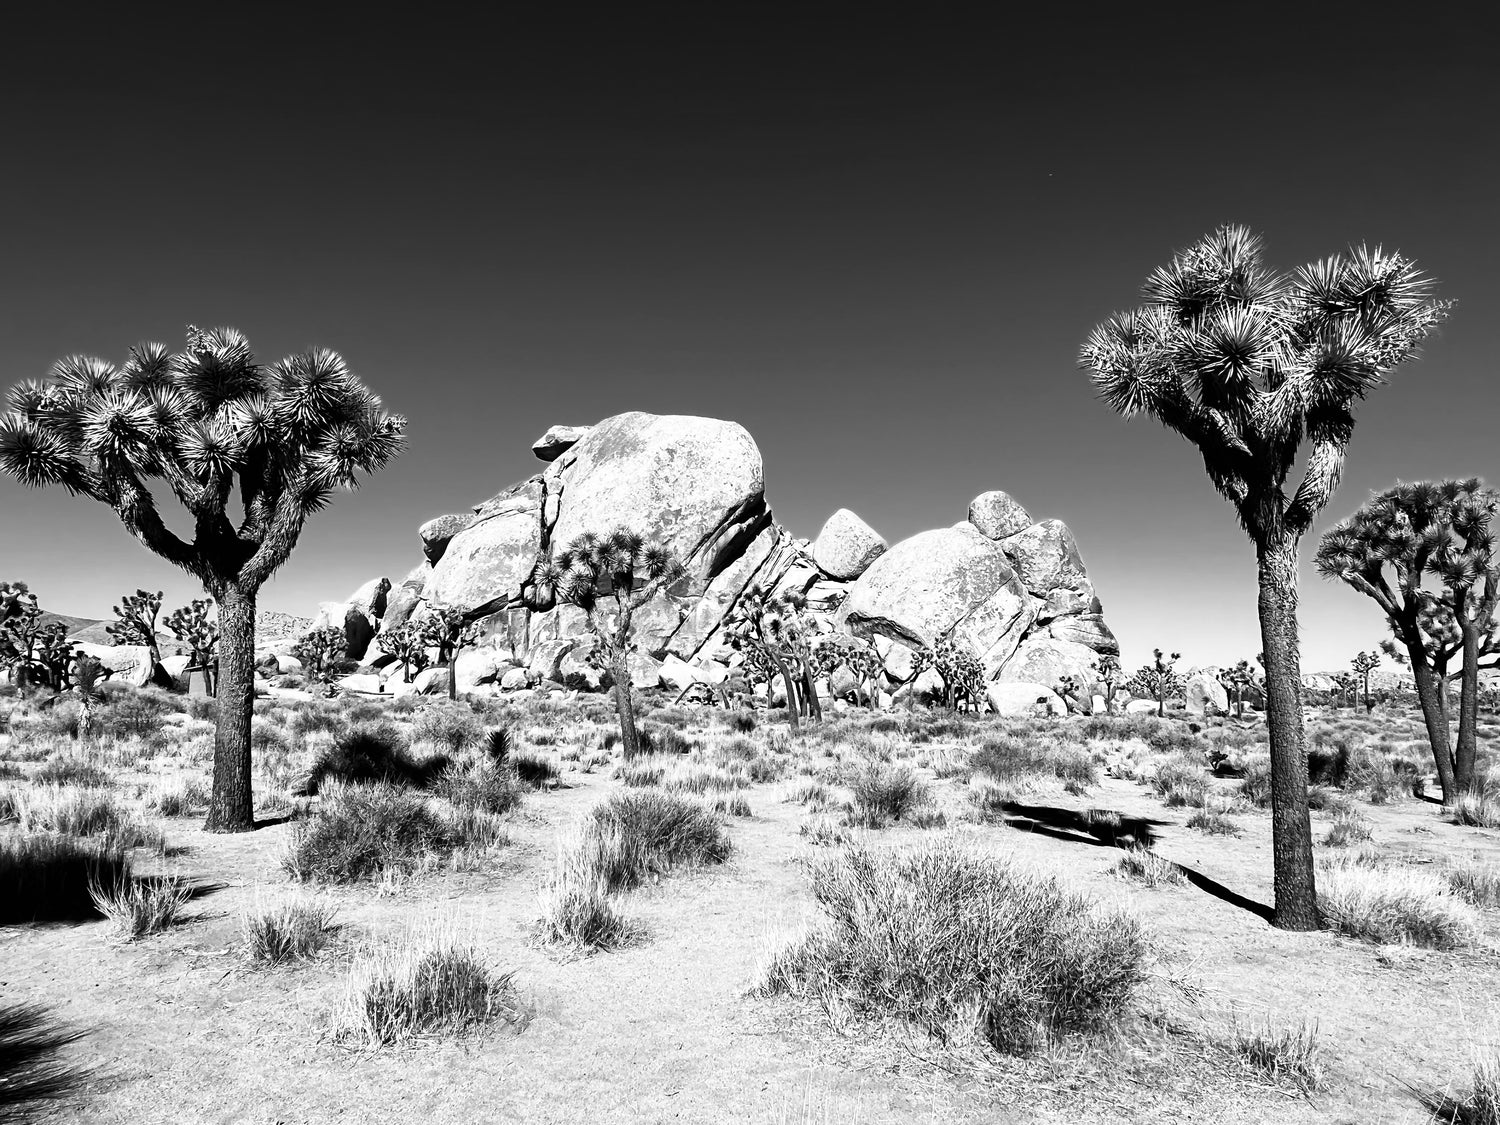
[[1431, 687], [1296, 895], [453, 671], [814, 707], [619, 670], [786, 681], [232, 809], [1161, 706], [1468, 711]]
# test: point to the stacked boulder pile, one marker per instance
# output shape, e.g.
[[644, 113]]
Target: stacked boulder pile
[[1013, 590]]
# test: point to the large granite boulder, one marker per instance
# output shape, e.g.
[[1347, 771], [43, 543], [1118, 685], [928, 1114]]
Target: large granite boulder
[[951, 578], [438, 532], [1024, 699], [1086, 629], [1045, 557], [356, 625], [1204, 694], [126, 664], [490, 559], [997, 515], [846, 546], [1043, 660], [400, 605], [557, 441]]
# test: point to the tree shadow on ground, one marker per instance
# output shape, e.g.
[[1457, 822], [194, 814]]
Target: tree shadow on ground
[[32, 1079], [1104, 828]]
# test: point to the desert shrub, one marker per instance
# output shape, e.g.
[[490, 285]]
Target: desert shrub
[[292, 931], [33, 1080], [928, 817], [662, 740], [1476, 810], [1481, 1106], [1291, 1055], [359, 831], [641, 773], [825, 832], [1181, 781], [989, 797], [884, 793], [72, 770], [367, 756], [535, 770], [74, 811], [1010, 759], [140, 907], [1164, 736], [640, 831], [479, 783], [959, 944], [1393, 905], [742, 722], [46, 878], [1140, 865], [582, 914], [1256, 786], [736, 805], [1474, 881], [452, 726], [312, 716], [1348, 828], [133, 714], [182, 797], [809, 793], [1213, 822], [436, 986], [1323, 798]]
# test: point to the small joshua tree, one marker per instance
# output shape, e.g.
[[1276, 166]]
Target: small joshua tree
[[1238, 680], [1444, 531], [609, 578], [1345, 688], [320, 650], [767, 625], [1070, 690], [448, 630], [249, 451], [960, 670], [196, 626], [1158, 680], [21, 633], [88, 674], [135, 623], [1111, 675], [840, 650], [408, 645], [1363, 664]]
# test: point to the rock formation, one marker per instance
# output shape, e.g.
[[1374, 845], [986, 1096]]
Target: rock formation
[[1013, 590]]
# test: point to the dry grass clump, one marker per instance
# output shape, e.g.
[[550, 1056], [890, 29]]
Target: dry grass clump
[[960, 945], [1481, 1106], [535, 770], [578, 904], [1348, 828], [452, 726], [645, 831], [1476, 810], [478, 782], [1212, 822], [140, 907], [435, 986], [1181, 782], [182, 797], [1474, 881], [1291, 1055], [291, 931], [1010, 758], [736, 805], [1392, 904], [73, 771], [360, 830], [884, 793], [825, 832], [46, 878], [72, 811], [1140, 865]]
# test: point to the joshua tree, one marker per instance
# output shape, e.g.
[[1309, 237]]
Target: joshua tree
[[449, 630], [1236, 680], [609, 578], [21, 631], [195, 626], [1345, 687], [1070, 690], [761, 623], [960, 670], [1363, 664], [1385, 550], [1158, 680], [1111, 676], [88, 674], [320, 650], [1250, 367], [228, 437], [135, 623], [408, 645], [840, 650]]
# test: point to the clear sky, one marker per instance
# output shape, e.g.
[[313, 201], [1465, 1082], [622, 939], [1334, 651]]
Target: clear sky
[[877, 244]]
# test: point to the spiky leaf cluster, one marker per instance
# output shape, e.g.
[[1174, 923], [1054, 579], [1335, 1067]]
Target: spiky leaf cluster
[[1249, 365], [620, 565], [319, 650], [961, 671], [196, 625], [1159, 679], [409, 645], [135, 622], [209, 422]]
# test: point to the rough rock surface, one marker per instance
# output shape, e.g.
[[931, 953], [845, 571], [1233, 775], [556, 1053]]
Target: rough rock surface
[[1024, 699], [438, 532], [557, 441], [997, 515], [1043, 660], [1045, 557], [936, 581], [1204, 692], [126, 664], [490, 558], [358, 628], [847, 546]]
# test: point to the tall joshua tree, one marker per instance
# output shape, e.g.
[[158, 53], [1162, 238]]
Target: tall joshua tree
[[1251, 367], [1158, 680], [1236, 681], [135, 623], [1363, 664], [1385, 550], [221, 432], [195, 626], [609, 578]]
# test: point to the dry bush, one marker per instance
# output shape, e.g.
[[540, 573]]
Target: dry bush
[[140, 907], [1181, 782], [1006, 758], [182, 797], [577, 904], [72, 770], [33, 1080], [1290, 1055], [884, 793], [638, 832], [1474, 881], [1481, 1106], [736, 805], [1398, 904], [825, 832], [1348, 828], [1476, 810], [438, 985], [960, 944], [291, 931], [1140, 865], [453, 726], [71, 811], [360, 830]]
